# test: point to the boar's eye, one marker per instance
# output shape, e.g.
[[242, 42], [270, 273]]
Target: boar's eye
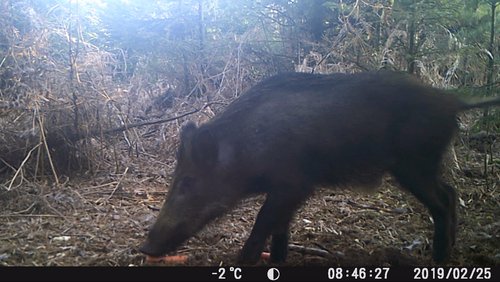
[[187, 183]]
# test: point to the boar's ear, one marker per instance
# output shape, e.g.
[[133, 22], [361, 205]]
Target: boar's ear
[[205, 149], [187, 131]]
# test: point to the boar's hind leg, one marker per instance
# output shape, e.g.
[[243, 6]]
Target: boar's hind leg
[[452, 198], [273, 219], [439, 197]]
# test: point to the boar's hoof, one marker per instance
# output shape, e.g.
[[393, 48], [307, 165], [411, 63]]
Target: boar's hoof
[[441, 256]]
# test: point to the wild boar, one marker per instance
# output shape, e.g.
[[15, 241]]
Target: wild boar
[[294, 132]]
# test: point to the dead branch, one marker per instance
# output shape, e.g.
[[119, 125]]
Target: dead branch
[[21, 166], [139, 124]]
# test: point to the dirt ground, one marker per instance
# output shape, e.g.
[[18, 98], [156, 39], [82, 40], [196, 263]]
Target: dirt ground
[[101, 221]]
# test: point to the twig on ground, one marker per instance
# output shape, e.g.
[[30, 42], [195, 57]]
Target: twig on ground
[[309, 250]]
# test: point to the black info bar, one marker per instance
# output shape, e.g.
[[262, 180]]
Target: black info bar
[[260, 273]]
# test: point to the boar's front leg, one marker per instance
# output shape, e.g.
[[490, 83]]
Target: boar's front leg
[[279, 244], [273, 219]]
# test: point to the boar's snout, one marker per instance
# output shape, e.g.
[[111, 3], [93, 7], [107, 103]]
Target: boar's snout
[[162, 240], [156, 246], [151, 249]]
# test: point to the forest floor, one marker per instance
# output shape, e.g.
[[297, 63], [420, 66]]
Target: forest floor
[[102, 220]]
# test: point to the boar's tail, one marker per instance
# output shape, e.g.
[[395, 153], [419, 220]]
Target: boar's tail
[[483, 104]]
